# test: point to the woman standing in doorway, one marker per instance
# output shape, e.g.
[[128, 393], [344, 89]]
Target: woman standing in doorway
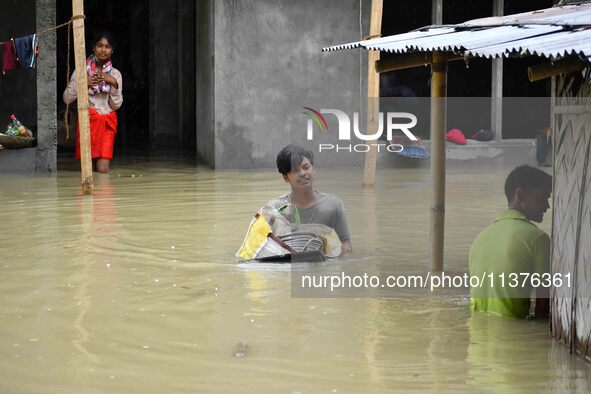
[[105, 86]]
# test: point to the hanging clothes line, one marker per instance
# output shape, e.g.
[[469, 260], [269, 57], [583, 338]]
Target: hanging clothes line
[[10, 61], [52, 28], [22, 52]]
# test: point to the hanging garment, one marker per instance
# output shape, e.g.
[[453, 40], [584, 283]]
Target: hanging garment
[[9, 59], [26, 50], [1, 81], [102, 87]]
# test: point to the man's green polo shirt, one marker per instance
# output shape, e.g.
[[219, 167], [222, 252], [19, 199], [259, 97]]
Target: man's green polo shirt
[[512, 244]]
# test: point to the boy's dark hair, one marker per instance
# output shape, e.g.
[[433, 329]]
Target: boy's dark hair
[[100, 35], [528, 178], [291, 157]]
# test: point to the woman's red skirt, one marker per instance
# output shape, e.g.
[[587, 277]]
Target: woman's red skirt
[[103, 129]]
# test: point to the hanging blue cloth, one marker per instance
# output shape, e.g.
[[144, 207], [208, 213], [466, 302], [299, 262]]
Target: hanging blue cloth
[[26, 50]]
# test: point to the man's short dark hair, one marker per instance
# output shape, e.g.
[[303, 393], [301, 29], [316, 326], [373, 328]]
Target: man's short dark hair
[[527, 178], [291, 157]]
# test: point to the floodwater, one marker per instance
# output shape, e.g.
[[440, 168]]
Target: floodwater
[[137, 290]]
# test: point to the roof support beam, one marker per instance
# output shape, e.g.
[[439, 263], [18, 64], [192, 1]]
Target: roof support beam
[[412, 60], [562, 66], [438, 126], [439, 64]]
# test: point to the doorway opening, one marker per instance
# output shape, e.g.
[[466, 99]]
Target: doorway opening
[[154, 49]]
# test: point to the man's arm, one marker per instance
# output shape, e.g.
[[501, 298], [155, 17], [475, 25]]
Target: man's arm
[[342, 229], [346, 248]]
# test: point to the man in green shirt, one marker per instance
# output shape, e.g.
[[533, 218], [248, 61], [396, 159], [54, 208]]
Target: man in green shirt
[[510, 250]]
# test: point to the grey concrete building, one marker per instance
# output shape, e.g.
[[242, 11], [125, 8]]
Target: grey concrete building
[[267, 65], [224, 81]]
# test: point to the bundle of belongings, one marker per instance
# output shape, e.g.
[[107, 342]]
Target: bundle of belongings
[[19, 53], [483, 135], [16, 135], [271, 236], [408, 148], [16, 129]]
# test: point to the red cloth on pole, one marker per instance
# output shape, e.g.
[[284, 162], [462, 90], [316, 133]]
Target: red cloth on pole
[[103, 129]]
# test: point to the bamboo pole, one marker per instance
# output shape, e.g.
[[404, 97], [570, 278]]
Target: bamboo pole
[[438, 123], [373, 94], [563, 66], [82, 92], [410, 60], [403, 61]]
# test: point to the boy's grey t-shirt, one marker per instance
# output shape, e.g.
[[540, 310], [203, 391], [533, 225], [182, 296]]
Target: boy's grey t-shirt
[[328, 210]]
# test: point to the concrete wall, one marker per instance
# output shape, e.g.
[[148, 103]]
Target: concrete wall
[[269, 64], [46, 160], [204, 73]]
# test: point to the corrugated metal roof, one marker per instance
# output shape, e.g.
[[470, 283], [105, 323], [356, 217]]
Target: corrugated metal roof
[[559, 44], [570, 15], [377, 43], [462, 40], [553, 33]]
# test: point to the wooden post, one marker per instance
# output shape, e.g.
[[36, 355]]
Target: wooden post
[[562, 66], [438, 124], [373, 94], [437, 12], [82, 92], [410, 60], [496, 109]]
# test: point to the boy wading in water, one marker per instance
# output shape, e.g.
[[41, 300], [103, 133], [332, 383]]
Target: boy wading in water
[[296, 165]]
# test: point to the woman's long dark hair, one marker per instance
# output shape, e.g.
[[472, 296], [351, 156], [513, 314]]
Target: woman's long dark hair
[[100, 35]]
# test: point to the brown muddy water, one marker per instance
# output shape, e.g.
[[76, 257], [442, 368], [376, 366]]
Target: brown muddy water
[[137, 290]]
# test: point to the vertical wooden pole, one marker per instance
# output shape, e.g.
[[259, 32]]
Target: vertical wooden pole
[[438, 123], [373, 94], [437, 12], [82, 91], [496, 109]]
